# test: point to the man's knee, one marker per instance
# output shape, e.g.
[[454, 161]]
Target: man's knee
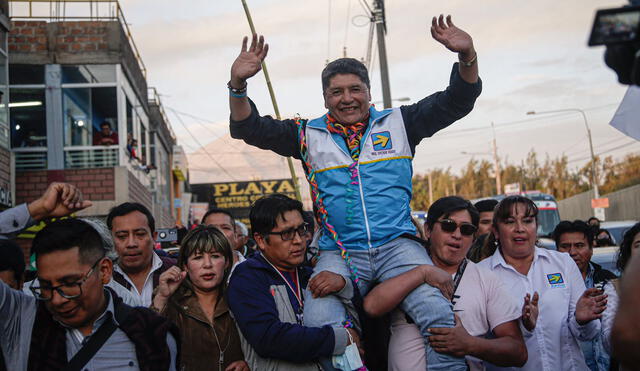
[[427, 307], [328, 310]]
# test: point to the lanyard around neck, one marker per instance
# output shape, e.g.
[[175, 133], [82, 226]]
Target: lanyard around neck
[[297, 293], [458, 277]]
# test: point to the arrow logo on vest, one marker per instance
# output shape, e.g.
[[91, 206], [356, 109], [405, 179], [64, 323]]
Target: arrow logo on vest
[[382, 139]]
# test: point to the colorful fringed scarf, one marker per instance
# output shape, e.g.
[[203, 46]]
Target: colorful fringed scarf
[[353, 135]]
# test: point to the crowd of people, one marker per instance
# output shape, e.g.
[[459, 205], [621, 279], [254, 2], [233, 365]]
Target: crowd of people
[[469, 289]]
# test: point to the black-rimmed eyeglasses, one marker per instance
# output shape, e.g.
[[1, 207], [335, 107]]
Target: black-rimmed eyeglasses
[[66, 290], [289, 234]]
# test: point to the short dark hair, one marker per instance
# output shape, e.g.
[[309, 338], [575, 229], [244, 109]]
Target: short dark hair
[[503, 209], [103, 123], [501, 213], [624, 254], [66, 234], [486, 205], [445, 206], [567, 226], [345, 66], [216, 210], [203, 239], [127, 208], [12, 258], [593, 218], [266, 210]]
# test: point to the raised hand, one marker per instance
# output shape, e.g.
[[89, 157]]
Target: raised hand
[[249, 62], [590, 306], [530, 311], [60, 199], [453, 38], [168, 283]]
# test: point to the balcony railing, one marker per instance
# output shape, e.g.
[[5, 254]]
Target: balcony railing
[[30, 158], [90, 157]]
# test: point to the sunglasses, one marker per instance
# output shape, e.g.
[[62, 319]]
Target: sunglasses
[[449, 226]]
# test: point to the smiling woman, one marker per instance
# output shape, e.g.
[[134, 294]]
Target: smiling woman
[[191, 295], [570, 312]]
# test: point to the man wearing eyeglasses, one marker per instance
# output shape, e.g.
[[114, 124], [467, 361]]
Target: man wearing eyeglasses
[[481, 304], [266, 293], [72, 320]]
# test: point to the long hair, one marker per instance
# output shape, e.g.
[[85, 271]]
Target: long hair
[[205, 239], [624, 254], [503, 212]]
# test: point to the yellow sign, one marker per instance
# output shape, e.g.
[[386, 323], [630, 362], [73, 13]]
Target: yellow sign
[[237, 197]]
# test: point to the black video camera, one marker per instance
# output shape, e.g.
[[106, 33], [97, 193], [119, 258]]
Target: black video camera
[[619, 30]]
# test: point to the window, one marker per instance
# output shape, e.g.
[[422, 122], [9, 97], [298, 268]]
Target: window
[[28, 118], [90, 73], [85, 110], [26, 74]]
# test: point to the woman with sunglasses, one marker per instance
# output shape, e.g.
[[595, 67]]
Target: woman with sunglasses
[[191, 295], [558, 310], [479, 298]]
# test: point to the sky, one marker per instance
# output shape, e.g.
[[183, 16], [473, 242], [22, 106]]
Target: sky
[[532, 56]]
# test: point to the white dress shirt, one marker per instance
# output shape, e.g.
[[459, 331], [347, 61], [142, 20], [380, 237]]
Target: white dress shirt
[[143, 297], [553, 344]]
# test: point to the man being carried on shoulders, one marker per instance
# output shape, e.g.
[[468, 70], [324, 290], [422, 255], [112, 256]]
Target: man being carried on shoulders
[[358, 162]]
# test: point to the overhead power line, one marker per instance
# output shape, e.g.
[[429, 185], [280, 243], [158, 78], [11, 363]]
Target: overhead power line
[[604, 152], [203, 148]]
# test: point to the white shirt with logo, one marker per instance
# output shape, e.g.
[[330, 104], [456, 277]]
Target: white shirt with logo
[[481, 302], [553, 344]]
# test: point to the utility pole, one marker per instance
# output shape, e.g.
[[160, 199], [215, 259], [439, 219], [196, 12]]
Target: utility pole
[[496, 162], [381, 30]]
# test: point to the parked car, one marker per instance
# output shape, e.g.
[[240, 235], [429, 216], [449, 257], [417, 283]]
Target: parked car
[[617, 229], [606, 257]]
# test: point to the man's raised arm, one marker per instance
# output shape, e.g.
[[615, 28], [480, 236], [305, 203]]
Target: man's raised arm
[[248, 63], [458, 41]]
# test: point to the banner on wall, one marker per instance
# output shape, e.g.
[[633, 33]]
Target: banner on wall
[[237, 197]]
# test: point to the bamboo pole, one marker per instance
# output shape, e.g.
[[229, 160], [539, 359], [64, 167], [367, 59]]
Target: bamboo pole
[[294, 179]]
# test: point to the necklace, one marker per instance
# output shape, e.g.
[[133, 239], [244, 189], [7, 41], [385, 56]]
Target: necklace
[[221, 358]]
